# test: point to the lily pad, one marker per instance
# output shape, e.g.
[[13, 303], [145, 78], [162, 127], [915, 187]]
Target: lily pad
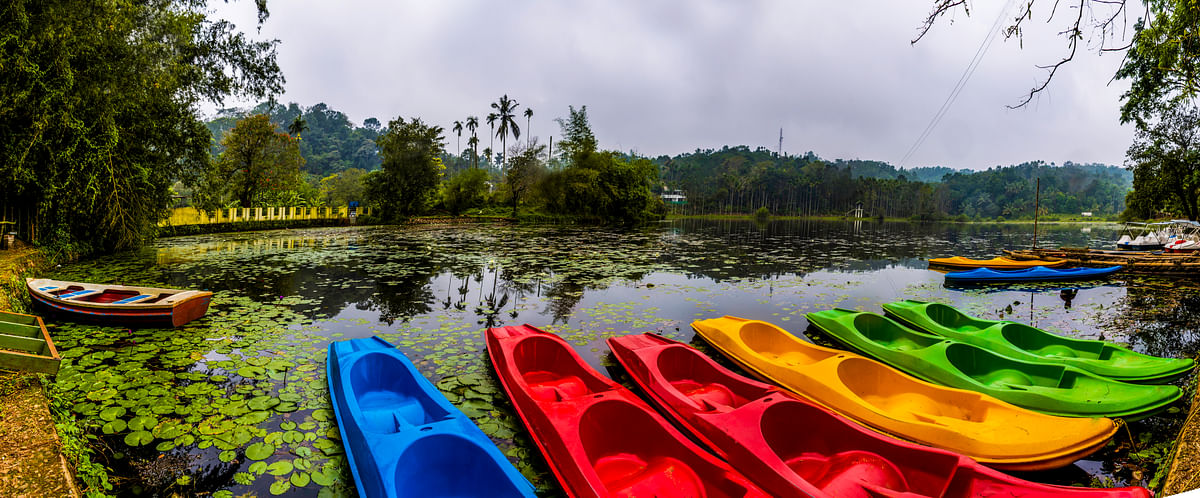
[[259, 451]]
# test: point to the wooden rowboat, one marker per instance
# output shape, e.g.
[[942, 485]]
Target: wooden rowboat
[[119, 304], [25, 344]]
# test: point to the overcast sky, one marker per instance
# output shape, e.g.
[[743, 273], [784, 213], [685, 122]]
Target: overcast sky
[[840, 78]]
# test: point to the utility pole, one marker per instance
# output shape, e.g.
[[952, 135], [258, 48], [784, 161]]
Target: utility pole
[[1037, 204], [780, 151]]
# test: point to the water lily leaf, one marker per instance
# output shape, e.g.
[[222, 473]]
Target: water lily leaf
[[262, 403], [102, 394], [322, 414], [253, 418], [114, 427], [111, 413], [185, 440], [286, 407], [227, 456], [243, 478], [259, 451], [299, 479], [258, 468], [280, 487], [139, 438], [250, 371], [287, 425], [165, 446], [291, 397], [323, 478], [279, 468], [143, 422], [184, 480]]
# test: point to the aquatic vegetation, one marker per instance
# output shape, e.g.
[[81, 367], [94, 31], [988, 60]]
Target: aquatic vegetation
[[237, 402]]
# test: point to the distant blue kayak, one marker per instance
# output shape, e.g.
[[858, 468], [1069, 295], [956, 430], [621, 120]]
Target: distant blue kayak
[[1035, 274], [403, 437]]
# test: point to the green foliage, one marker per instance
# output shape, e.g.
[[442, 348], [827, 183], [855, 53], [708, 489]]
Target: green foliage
[[331, 143], [506, 109], [99, 113], [339, 189], [465, 190], [577, 138], [524, 173], [411, 169], [606, 187], [1163, 63], [260, 166], [1165, 158], [763, 214]]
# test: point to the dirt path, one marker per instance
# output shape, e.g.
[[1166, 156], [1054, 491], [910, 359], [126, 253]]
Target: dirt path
[[31, 461]]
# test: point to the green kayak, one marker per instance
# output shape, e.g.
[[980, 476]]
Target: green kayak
[[1020, 341], [1045, 387]]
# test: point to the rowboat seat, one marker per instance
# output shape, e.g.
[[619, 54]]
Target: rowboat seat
[[47, 288], [134, 299], [78, 294]]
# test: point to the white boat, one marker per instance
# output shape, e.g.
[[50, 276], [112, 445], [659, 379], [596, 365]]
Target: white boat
[[1146, 236], [1188, 238]]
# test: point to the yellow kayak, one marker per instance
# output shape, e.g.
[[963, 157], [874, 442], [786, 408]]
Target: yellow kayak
[[994, 263], [878, 396]]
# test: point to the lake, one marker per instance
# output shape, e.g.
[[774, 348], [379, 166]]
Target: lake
[[237, 402]]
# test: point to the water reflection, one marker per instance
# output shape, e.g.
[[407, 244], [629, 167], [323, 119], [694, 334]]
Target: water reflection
[[432, 290]]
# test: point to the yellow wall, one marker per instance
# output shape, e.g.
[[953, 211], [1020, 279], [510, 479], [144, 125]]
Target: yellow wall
[[193, 216]]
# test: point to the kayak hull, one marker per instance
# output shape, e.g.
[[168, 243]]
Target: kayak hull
[[403, 437], [598, 437], [994, 263], [1020, 341], [1050, 388], [1035, 274], [991, 431], [753, 426]]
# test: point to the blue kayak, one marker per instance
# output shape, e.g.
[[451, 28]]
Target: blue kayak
[[1035, 274], [403, 437]]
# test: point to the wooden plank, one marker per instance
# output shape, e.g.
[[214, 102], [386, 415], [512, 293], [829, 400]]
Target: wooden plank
[[22, 330], [19, 318], [18, 343], [11, 360]]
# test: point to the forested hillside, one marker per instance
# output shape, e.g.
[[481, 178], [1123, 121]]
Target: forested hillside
[[740, 180], [330, 143]]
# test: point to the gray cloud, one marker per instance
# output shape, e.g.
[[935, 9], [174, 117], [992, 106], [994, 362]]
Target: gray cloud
[[660, 77]]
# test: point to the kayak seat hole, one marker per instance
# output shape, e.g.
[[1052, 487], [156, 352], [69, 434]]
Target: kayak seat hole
[[548, 386], [712, 397], [846, 473], [1009, 378], [1057, 351], [388, 399], [630, 475]]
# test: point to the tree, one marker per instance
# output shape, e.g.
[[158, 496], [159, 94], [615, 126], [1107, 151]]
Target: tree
[[340, 188], [1169, 39], [100, 112], [464, 191], [458, 127], [491, 121], [578, 141], [1165, 159], [258, 159], [472, 123], [411, 171], [528, 127], [505, 113], [524, 172], [297, 127]]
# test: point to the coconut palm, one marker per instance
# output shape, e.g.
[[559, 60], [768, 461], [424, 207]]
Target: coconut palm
[[491, 121], [528, 128], [472, 123], [458, 126], [473, 143], [506, 108]]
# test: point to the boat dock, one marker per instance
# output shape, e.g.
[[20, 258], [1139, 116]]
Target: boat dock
[[1142, 262]]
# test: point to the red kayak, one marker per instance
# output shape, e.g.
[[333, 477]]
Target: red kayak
[[791, 447], [599, 438]]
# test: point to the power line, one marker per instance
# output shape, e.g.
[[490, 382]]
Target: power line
[[958, 87]]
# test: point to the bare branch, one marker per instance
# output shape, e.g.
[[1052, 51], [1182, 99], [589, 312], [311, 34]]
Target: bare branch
[[940, 8], [1076, 34]]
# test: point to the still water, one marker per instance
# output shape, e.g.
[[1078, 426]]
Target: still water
[[237, 402]]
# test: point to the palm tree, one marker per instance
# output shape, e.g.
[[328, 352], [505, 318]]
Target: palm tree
[[528, 128], [506, 108], [472, 123], [458, 129], [473, 143], [491, 121]]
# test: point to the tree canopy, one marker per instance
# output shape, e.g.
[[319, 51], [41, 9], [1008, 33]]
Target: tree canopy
[[259, 162], [1165, 158], [412, 169], [100, 115]]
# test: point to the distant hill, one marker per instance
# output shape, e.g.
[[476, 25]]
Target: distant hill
[[330, 144], [879, 169]]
